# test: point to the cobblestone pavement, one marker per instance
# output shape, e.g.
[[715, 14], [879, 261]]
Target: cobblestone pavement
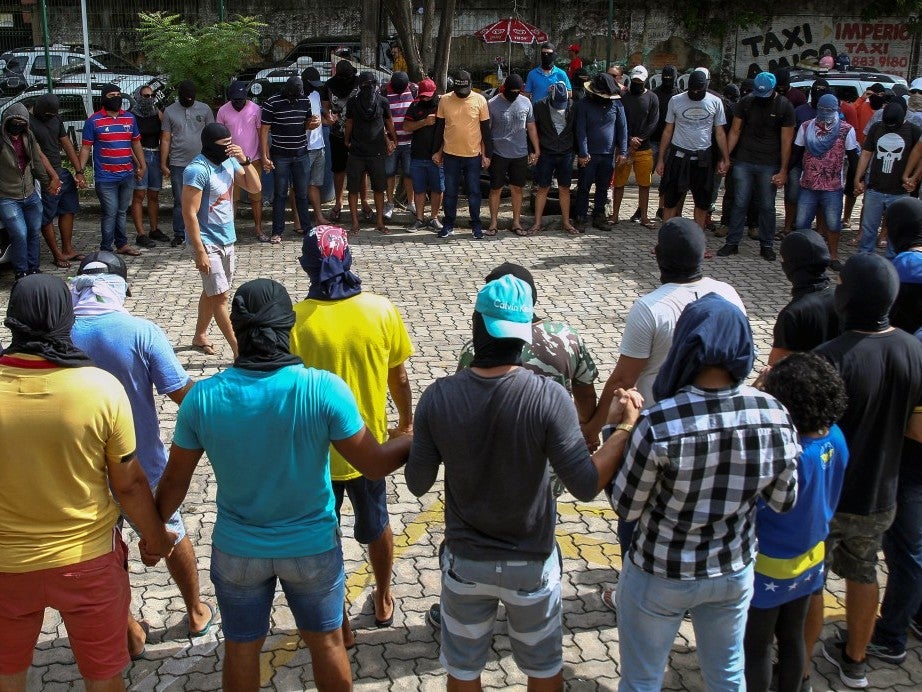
[[589, 281]]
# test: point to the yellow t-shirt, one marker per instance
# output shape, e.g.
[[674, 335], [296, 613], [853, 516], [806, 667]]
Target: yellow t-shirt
[[360, 339], [462, 123], [59, 427]]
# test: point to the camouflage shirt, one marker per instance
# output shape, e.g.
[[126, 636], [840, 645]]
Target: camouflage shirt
[[557, 351]]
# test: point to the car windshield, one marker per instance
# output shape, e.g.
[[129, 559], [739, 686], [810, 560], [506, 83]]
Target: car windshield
[[109, 61]]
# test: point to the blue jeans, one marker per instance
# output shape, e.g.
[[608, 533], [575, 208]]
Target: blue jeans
[[598, 171], [23, 221], [875, 206], [179, 226], [753, 179], [291, 170], [811, 203], [114, 198], [902, 546], [455, 167], [650, 610]]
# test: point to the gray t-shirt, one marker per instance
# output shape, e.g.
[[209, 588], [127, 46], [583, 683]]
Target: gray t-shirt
[[185, 126], [495, 436], [694, 120], [507, 122]]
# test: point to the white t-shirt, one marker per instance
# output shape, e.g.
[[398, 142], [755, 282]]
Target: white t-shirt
[[651, 324], [315, 136], [694, 120]]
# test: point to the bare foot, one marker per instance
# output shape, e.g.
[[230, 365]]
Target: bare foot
[[137, 636]]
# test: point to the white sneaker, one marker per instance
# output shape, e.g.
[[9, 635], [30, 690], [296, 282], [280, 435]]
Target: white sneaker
[[388, 210], [411, 207]]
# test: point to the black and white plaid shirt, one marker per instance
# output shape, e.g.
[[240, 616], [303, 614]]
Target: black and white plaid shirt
[[696, 465]]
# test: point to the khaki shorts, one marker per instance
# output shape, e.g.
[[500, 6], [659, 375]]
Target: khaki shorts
[[854, 542], [221, 260], [642, 163]]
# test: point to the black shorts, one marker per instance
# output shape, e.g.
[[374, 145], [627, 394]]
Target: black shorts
[[501, 168], [338, 154], [356, 168], [688, 171]]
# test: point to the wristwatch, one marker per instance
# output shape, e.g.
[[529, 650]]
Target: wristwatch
[[247, 162]]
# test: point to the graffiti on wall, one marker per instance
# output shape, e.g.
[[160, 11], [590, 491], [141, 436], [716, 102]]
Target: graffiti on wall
[[790, 41]]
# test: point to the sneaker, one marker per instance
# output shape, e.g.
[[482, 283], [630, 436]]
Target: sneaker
[[145, 241], [445, 232], [728, 250], [915, 627], [411, 207], [835, 265], [721, 231], [434, 224], [157, 234], [417, 225], [888, 654], [767, 253], [388, 210], [753, 233], [477, 233], [434, 616], [177, 242], [635, 217], [852, 674]]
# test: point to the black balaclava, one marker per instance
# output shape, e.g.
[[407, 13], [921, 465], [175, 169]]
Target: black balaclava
[[293, 88], [512, 87], [731, 92], [237, 95], [820, 87], [186, 93], [548, 56], [462, 84], [679, 251], [211, 150], [111, 103], [804, 260], [399, 82], [368, 95], [670, 73], [46, 107], [343, 80], [636, 88], [868, 288], [262, 317], [15, 126], [782, 80], [747, 86], [903, 219], [490, 352], [40, 316], [893, 116], [877, 97], [697, 85]]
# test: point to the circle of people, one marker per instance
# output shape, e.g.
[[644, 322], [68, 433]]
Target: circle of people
[[731, 499]]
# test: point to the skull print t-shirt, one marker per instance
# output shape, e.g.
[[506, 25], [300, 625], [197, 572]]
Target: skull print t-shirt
[[889, 153]]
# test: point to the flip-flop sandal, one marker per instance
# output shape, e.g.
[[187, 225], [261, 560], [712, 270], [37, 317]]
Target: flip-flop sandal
[[853, 242], [534, 230], [519, 231], [207, 349], [647, 224], [335, 213], [262, 238], [299, 231], [368, 214], [882, 243], [76, 257], [276, 240], [383, 230], [202, 632], [608, 597], [61, 263], [490, 231], [128, 250], [572, 230], [387, 622]]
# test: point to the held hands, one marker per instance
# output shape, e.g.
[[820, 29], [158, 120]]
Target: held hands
[[139, 172], [430, 119], [625, 407], [54, 187], [858, 188], [268, 165], [484, 161], [660, 168], [620, 160], [391, 145], [532, 158], [80, 179], [779, 179], [583, 161], [723, 167], [400, 431], [909, 183], [313, 123], [165, 170], [153, 550], [437, 158]]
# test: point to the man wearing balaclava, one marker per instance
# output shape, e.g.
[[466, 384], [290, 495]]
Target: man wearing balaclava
[[871, 101], [113, 137], [884, 157], [68, 446], [463, 145], [760, 141], [783, 87], [400, 94], [241, 117], [495, 427], [361, 337], [428, 179], [699, 460], [641, 107], [545, 75], [208, 212], [882, 370], [554, 117], [694, 119], [515, 148], [810, 318], [180, 142], [824, 145], [267, 425], [664, 91], [339, 89]]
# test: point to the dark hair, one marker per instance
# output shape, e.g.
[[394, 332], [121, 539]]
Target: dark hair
[[810, 389]]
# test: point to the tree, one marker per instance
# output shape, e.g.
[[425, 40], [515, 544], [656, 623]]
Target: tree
[[418, 50], [208, 55]]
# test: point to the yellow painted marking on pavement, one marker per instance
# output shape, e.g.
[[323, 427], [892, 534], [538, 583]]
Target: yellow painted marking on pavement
[[356, 583]]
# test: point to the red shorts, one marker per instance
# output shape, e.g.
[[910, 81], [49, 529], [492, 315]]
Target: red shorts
[[93, 598]]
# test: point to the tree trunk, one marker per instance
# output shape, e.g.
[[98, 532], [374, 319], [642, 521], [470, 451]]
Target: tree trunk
[[426, 52], [401, 15], [443, 44]]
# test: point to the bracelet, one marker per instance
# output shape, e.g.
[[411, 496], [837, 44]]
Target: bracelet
[[624, 426]]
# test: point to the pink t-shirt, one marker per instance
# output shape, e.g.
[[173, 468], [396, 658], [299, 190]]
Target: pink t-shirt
[[827, 172], [243, 126]]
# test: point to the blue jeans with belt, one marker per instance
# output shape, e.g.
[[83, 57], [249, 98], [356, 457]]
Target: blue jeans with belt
[[23, 221], [455, 167], [295, 171]]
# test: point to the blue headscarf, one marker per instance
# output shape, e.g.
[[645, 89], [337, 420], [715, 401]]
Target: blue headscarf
[[823, 131], [327, 259], [710, 331]]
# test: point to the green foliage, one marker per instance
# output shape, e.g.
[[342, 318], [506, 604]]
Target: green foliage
[[207, 55]]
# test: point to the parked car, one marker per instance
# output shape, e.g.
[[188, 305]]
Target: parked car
[[270, 81], [848, 86]]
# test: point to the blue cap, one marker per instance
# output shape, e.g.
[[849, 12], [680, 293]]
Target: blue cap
[[764, 84], [507, 308]]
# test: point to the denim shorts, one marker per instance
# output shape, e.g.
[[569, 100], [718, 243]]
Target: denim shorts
[[369, 502], [314, 586], [67, 201], [153, 176], [427, 177], [399, 158], [550, 166]]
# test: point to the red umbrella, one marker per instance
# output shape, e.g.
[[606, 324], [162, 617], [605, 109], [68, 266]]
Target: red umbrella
[[513, 30]]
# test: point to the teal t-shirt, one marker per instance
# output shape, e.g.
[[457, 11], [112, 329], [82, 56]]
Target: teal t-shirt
[[267, 435]]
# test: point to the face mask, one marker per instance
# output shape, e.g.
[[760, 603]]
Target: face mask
[[876, 101], [462, 90], [45, 117], [696, 95], [815, 95], [238, 104], [15, 127], [186, 101], [511, 94], [215, 152], [826, 115], [636, 88], [366, 89], [112, 103], [547, 60]]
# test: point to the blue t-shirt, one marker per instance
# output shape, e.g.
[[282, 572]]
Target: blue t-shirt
[[139, 355], [792, 546], [267, 435], [537, 82], [216, 212]]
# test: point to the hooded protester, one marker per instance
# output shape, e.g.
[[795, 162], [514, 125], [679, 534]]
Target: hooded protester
[[810, 318], [904, 227], [665, 90], [554, 118], [783, 87], [730, 446], [262, 316], [870, 102], [327, 259], [241, 117], [541, 78], [882, 370], [150, 124], [21, 164], [578, 83]]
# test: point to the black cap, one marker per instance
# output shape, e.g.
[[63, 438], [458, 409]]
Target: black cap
[[104, 262], [697, 80], [548, 46], [311, 76]]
